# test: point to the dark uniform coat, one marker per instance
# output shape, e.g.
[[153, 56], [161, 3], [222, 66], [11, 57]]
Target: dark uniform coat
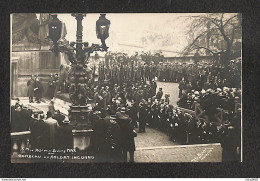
[[127, 136]]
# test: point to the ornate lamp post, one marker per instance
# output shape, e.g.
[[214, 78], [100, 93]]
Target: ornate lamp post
[[78, 56], [102, 28]]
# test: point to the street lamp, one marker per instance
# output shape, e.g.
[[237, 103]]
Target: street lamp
[[55, 31], [78, 56], [102, 29]]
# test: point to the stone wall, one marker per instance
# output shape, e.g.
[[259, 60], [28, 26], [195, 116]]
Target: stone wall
[[28, 63]]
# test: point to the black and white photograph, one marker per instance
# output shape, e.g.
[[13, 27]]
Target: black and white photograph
[[126, 87]]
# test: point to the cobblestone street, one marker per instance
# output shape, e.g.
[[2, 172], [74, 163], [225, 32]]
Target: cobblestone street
[[155, 146], [180, 153], [152, 138]]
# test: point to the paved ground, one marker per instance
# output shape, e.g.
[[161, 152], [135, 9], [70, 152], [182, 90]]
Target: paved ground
[[180, 153], [152, 138], [155, 146], [170, 88]]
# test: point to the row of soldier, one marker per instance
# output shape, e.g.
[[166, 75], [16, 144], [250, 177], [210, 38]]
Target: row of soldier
[[119, 66]]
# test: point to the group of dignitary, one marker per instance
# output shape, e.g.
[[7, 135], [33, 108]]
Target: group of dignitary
[[35, 89]]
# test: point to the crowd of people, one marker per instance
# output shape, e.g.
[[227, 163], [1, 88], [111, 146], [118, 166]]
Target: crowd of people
[[212, 88], [48, 131], [125, 98], [181, 127], [118, 67]]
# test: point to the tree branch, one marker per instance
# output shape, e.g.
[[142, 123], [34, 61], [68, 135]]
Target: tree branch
[[199, 47], [229, 20]]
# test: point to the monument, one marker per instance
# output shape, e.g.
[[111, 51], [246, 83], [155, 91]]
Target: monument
[[30, 51]]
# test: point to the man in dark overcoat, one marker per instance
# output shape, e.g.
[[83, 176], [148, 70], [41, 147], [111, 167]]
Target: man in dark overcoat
[[38, 90], [142, 118], [127, 134], [30, 85]]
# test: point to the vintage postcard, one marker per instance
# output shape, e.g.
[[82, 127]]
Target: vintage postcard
[[126, 87]]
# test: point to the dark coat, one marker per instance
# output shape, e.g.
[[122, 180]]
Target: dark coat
[[126, 128], [20, 121], [38, 89], [159, 95], [30, 84], [113, 136], [99, 135], [59, 118], [64, 136], [39, 134]]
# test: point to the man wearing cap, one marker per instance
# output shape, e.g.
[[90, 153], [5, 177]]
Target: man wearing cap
[[127, 134], [111, 150]]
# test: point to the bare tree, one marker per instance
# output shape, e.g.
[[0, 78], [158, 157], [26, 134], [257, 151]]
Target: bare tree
[[205, 26]]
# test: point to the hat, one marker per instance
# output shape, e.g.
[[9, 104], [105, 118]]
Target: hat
[[218, 89], [196, 93], [123, 109], [66, 121]]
